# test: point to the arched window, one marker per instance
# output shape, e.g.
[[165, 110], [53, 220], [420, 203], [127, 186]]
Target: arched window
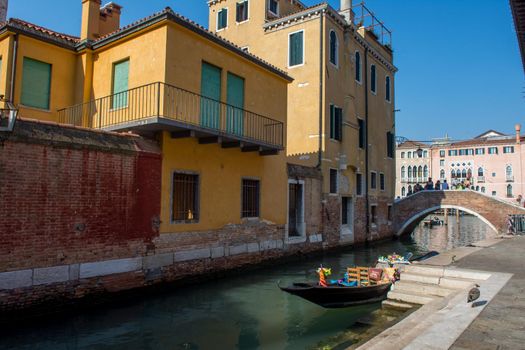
[[409, 154], [482, 189], [409, 189], [477, 188], [464, 174], [334, 48], [425, 172], [452, 174], [387, 89], [442, 174], [403, 172], [402, 154], [403, 192], [469, 173], [409, 172], [480, 171], [373, 79], [508, 171], [509, 191], [357, 66], [420, 171]]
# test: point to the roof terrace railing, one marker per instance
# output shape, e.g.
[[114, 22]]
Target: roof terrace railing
[[161, 103], [363, 17]]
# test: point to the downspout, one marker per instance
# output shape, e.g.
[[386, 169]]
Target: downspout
[[321, 70], [13, 70], [367, 199]]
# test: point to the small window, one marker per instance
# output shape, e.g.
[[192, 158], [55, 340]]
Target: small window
[[334, 48], [373, 79], [333, 181], [336, 123], [483, 190], [494, 193], [296, 49], [36, 84], [425, 172], [222, 18], [508, 149], [373, 214], [441, 162], [508, 172], [390, 145], [442, 174], [358, 66], [387, 89], [409, 155], [402, 155], [480, 151], [382, 181], [359, 184], [185, 197], [403, 172], [361, 124], [481, 171], [250, 198], [389, 212], [410, 175], [493, 150], [403, 192], [242, 11], [470, 152], [344, 210], [373, 180], [442, 154], [425, 154], [273, 6]]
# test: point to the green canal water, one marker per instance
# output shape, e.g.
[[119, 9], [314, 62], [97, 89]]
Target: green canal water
[[244, 311]]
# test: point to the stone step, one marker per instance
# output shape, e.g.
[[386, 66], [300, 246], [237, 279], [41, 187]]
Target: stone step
[[466, 274], [415, 277], [425, 270], [412, 297], [456, 283], [430, 289], [391, 304]]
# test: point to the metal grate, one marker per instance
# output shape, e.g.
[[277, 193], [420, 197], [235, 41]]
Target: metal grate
[[185, 197], [250, 198], [518, 223]]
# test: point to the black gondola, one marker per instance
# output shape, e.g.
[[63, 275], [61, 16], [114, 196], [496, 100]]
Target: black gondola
[[338, 296], [424, 257]]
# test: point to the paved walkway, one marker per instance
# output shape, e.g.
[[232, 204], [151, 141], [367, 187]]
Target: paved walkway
[[501, 325]]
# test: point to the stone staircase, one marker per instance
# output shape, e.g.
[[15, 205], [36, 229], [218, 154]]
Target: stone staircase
[[421, 285]]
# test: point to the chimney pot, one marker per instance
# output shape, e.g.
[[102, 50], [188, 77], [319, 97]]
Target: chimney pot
[[3, 10], [518, 133]]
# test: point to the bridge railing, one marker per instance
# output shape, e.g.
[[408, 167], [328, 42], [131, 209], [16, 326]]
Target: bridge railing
[[518, 223]]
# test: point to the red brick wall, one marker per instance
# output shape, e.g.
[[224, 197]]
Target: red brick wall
[[70, 195]]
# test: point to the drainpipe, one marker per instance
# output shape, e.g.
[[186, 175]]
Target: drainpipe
[[321, 71], [366, 149], [13, 70]]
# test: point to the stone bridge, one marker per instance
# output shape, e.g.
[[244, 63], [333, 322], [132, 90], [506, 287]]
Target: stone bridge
[[409, 211]]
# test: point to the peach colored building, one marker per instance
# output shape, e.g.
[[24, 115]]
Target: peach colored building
[[492, 163]]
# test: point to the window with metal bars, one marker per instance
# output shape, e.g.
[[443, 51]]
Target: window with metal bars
[[250, 198], [185, 197]]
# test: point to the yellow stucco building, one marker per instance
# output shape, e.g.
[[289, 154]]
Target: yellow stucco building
[[340, 104]]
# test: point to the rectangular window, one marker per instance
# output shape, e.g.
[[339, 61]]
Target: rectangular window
[[120, 85], [382, 181], [480, 151], [373, 80], [387, 88], [442, 153], [494, 193], [373, 214], [373, 180], [222, 18], [36, 84], [210, 107], [442, 162], [390, 145], [296, 49], [508, 149], [235, 108], [242, 11], [295, 209], [333, 181], [336, 123], [493, 150], [344, 210], [462, 152], [250, 198], [359, 184], [273, 6], [470, 152], [453, 152], [389, 213], [361, 124], [185, 197]]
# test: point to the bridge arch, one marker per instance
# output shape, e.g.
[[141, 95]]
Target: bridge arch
[[412, 222]]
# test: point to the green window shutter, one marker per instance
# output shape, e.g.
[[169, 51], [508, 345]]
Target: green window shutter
[[235, 100], [222, 19], [211, 95], [339, 123], [332, 122], [120, 84], [36, 83], [296, 49]]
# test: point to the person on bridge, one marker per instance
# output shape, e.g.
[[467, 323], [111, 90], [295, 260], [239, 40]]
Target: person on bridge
[[437, 186], [444, 187], [430, 185]]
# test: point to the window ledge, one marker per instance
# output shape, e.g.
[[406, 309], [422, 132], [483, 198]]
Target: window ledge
[[36, 108]]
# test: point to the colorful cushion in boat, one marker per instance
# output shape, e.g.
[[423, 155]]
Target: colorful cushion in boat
[[375, 274]]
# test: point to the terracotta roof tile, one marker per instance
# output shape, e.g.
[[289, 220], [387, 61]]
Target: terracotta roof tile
[[43, 30]]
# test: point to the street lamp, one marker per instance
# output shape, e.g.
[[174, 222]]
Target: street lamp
[[8, 115]]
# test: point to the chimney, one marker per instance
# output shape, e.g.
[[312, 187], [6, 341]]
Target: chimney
[[345, 10], [98, 21], [518, 133], [3, 10]]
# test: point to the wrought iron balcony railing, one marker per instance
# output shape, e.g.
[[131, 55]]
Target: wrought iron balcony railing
[[160, 106]]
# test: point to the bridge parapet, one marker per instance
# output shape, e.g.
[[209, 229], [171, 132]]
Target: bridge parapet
[[409, 211]]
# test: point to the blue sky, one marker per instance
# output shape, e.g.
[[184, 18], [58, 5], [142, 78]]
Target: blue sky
[[459, 66]]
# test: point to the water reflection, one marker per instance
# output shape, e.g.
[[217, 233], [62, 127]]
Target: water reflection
[[242, 312]]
